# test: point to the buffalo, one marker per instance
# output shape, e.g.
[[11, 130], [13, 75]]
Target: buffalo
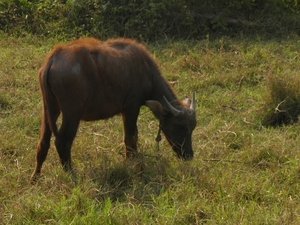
[[89, 79]]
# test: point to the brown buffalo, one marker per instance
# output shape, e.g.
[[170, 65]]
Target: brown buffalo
[[88, 79]]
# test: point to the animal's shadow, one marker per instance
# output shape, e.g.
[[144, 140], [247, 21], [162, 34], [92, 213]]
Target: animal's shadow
[[138, 179]]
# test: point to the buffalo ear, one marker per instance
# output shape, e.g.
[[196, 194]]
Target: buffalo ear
[[190, 103], [187, 101], [156, 108]]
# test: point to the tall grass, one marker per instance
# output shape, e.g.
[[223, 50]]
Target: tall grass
[[283, 100], [242, 173]]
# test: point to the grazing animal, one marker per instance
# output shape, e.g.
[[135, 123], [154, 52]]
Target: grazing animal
[[88, 79]]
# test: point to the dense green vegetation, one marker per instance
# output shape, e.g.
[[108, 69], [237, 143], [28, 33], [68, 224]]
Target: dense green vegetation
[[151, 19], [243, 172]]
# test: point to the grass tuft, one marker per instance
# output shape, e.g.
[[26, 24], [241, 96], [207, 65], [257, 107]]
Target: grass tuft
[[282, 105]]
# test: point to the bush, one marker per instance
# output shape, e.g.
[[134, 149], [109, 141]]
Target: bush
[[136, 19], [149, 19], [35, 17]]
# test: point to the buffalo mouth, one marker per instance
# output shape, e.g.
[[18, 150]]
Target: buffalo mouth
[[184, 156], [181, 152]]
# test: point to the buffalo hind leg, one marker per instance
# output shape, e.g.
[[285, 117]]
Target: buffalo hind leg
[[43, 147], [130, 133], [63, 143]]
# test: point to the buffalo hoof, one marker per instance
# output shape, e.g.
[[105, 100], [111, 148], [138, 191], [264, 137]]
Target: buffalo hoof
[[34, 178]]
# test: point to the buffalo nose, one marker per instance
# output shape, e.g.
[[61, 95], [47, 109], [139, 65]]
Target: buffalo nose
[[186, 157], [189, 158]]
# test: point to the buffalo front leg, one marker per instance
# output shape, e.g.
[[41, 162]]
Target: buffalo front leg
[[130, 133]]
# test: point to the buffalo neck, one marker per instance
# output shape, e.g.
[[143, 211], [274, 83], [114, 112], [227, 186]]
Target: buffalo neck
[[162, 89]]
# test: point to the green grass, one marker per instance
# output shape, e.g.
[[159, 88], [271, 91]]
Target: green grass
[[242, 173]]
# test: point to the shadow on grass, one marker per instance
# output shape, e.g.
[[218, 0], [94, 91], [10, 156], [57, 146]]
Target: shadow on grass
[[4, 106], [138, 179]]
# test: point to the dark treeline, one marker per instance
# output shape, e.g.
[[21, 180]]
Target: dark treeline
[[150, 19]]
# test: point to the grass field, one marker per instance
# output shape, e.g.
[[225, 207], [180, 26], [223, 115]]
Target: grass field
[[242, 173]]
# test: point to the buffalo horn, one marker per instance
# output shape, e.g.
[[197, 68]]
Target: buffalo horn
[[193, 104], [172, 109]]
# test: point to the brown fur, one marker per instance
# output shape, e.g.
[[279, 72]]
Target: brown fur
[[88, 79]]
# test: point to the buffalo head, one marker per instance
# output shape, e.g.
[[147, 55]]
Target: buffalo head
[[177, 123]]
